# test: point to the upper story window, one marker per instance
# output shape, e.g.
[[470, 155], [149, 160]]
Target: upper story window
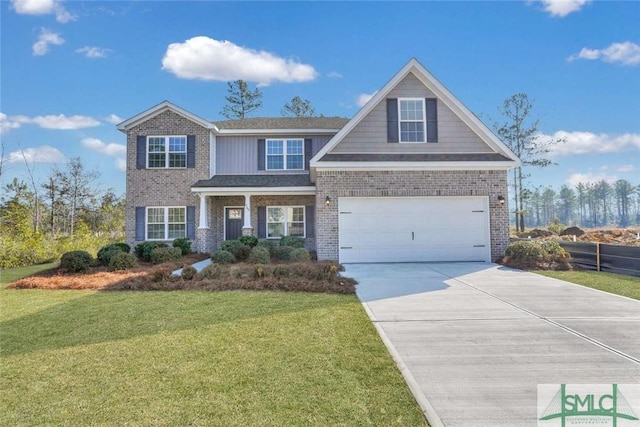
[[412, 119], [285, 154], [166, 152]]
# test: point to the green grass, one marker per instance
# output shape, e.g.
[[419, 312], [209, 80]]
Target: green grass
[[10, 274], [627, 286], [79, 358]]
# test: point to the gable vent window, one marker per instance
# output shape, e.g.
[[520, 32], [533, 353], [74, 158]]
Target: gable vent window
[[412, 119]]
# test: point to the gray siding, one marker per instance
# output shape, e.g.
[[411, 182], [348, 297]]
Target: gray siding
[[239, 154], [370, 135]]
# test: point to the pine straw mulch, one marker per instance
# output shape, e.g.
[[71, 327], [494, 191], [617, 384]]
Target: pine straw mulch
[[302, 276]]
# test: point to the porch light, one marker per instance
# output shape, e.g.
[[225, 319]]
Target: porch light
[[501, 200], [327, 201]]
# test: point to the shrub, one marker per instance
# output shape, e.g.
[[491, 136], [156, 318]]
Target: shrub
[[76, 261], [259, 256], [123, 247], [165, 254], [282, 253], [184, 244], [122, 261], [106, 252], [292, 241], [281, 271], [211, 271], [299, 254], [222, 256], [555, 226], [239, 250], [143, 250], [249, 240], [258, 272], [267, 244], [189, 272], [536, 254], [161, 275]]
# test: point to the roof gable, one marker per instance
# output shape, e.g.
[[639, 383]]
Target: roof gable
[[159, 109], [441, 93]]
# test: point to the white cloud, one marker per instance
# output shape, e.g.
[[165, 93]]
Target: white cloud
[[121, 164], [590, 178], [363, 98], [334, 75], [45, 39], [42, 154], [114, 119], [625, 168], [204, 58], [626, 53], [110, 149], [6, 124], [58, 122], [42, 7], [563, 8], [93, 52], [577, 143]]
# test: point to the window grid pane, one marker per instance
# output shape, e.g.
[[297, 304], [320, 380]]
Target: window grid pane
[[296, 229], [156, 145], [176, 215], [177, 144], [177, 160], [294, 162], [156, 160], [155, 231], [275, 230], [274, 147], [275, 162], [155, 215], [176, 231]]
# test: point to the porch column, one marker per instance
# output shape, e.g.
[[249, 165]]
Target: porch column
[[247, 229], [203, 222]]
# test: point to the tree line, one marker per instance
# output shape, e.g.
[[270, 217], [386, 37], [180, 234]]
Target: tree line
[[41, 221]]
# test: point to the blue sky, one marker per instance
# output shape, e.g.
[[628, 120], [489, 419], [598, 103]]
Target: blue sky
[[71, 70]]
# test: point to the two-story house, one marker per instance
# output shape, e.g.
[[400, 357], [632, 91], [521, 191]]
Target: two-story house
[[413, 176]]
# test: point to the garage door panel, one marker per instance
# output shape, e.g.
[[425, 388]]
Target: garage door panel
[[413, 229]]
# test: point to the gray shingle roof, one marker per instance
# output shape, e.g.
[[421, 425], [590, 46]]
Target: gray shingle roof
[[430, 157], [284, 123], [290, 180]]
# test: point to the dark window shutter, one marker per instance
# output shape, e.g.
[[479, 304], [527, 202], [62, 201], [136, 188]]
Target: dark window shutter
[[307, 152], [432, 119], [262, 222], [261, 157], [141, 152], [191, 151], [140, 223], [310, 221], [191, 222], [392, 120]]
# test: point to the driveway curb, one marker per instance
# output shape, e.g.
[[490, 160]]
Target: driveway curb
[[427, 408]]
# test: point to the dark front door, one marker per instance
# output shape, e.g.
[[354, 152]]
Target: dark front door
[[233, 220]]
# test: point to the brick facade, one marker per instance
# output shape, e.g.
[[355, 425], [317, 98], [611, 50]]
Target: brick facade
[[336, 184], [163, 187]]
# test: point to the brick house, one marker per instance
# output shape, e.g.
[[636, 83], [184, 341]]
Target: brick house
[[413, 176]]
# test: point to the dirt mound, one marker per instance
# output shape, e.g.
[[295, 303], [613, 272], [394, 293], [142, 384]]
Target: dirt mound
[[537, 233], [572, 231]]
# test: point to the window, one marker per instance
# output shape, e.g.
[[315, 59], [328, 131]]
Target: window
[[166, 223], [285, 221], [412, 119], [166, 152], [285, 154]]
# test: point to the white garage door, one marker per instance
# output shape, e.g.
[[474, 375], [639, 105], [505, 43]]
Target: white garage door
[[407, 229]]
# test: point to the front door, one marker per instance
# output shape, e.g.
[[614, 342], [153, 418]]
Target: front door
[[233, 222]]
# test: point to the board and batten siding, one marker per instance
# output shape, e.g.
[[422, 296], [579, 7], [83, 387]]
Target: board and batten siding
[[370, 135], [238, 155]]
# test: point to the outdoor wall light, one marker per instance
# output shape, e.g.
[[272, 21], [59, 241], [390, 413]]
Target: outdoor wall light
[[501, 200], [327, 201]]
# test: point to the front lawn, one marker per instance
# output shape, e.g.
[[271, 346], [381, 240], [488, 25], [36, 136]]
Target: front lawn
[[240, 358], [10, 274], [627, 286]]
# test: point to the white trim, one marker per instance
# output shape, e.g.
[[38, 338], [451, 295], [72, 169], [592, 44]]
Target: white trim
[[381, 166], [159, 109], [286, 222], [166, 222], [442, 94], [245, 132], [284, 154], [241, 191], [224, 222], [203, 221], [213, 147], [167, 152], [424, 121]]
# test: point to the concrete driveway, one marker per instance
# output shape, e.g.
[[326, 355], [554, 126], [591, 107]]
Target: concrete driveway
[[473, 340]]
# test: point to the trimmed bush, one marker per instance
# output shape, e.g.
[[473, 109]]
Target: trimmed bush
[[184, 244], [239, 250], [259, 256], [292, 241], [107, 252], [211, 271], [282, 253], [222, 256], [269, 245], [165, 254], [122, 261], [249, 240], [281, 271], [189, 272], [299, 254], [143, 250], [76, 261], [124, 247], [536, 254], [161, 275]]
